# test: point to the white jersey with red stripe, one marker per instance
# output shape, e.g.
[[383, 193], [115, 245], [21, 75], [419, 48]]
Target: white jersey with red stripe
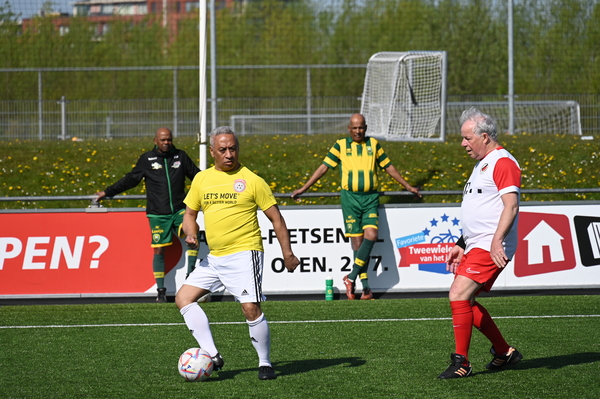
[[498, 173]]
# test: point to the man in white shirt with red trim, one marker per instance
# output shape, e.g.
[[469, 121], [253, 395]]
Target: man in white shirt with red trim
[[489, 218]]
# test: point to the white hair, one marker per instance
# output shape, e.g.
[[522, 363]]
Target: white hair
[[483, 122]]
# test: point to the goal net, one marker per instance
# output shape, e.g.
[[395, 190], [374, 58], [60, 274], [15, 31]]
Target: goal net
[[289, 124], [404, 96], [531, 117]]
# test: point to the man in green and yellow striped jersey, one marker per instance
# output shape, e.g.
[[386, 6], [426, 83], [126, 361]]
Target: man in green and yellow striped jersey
[[358, 157]]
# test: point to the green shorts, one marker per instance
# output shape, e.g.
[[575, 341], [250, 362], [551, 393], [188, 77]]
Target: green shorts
[[162, 227], [360, 210]]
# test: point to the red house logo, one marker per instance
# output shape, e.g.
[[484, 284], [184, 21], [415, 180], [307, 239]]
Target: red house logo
[[545, 244]]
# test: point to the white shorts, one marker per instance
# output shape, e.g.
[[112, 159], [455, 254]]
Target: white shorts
[[239, 273]]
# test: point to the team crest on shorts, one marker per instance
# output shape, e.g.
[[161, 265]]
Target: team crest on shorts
[[239, 185], [155, 237]]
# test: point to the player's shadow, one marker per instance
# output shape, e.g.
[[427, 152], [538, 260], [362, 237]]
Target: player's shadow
[[387, 274], [303, 366], [297, 366], [553, 362]]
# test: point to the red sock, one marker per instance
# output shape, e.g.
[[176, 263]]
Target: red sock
[[484, 323], [462, 321]]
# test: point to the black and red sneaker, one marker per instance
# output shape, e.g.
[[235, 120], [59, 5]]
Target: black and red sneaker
[[513, 356], [459, 368]]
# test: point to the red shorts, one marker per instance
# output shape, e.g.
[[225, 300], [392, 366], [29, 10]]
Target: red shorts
[[479, 267]]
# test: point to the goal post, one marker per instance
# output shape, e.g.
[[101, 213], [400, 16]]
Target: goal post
[[531, 117], [404, 95]]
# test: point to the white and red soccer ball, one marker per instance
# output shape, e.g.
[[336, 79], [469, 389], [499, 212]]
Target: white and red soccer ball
[[195, 364]]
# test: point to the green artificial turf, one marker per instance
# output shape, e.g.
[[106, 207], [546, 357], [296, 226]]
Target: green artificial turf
[[320, 349]]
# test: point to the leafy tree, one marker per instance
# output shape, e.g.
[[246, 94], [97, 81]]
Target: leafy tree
[[591, 52], [556, 48], [9, 50]]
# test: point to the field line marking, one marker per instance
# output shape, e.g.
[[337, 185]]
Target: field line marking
[[292, 321]]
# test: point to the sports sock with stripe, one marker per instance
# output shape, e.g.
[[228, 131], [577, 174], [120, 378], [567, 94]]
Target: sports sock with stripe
[[158, 266], [192, 254], [364, 279], [260, 336], [462, 322], [484, 323], [361, 259], [197, 322]]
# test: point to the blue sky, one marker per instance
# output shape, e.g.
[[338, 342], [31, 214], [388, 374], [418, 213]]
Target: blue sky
[[27, 8]]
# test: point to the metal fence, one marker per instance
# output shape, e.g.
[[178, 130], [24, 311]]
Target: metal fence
[[45, 119], [94, 204]]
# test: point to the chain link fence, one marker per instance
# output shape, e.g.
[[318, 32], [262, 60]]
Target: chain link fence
[[109, 72], [63, 118]]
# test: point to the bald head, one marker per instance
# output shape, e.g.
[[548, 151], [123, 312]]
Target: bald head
[[163, 139], [357, 118], [357, 128], [161, 131]]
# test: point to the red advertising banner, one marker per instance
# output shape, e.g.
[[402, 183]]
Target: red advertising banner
[[424, 254], [78, 253], [545, 244], [54, 252]]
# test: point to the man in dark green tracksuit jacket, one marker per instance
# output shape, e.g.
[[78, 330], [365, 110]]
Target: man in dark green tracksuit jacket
[[164, 170]]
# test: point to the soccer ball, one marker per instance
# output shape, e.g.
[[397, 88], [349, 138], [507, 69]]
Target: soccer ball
[[195, 364], [205, 298]]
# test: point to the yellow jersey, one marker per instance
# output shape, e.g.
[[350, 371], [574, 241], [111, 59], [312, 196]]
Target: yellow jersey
[[229, 202], [359, 163]]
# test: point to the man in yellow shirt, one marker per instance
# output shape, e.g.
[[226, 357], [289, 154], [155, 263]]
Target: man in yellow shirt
[[229, 196], [359, 158]]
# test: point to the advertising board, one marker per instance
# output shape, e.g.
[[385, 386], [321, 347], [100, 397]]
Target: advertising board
[[108, 253]]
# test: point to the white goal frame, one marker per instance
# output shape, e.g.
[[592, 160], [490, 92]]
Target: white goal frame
[[404, 96], [531, 117]]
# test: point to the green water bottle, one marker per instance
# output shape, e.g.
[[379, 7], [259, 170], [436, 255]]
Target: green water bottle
[[329, 289]]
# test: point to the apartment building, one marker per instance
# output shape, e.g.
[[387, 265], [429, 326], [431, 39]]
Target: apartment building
[[102, 13]]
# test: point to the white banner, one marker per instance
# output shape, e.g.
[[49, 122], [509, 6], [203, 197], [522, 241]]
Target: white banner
[[559, 247]]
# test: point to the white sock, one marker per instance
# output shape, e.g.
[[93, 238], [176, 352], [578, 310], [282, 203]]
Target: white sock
[[197, 322], [261, 339]]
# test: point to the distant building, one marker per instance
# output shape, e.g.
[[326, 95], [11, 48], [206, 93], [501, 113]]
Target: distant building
[[103, 12]]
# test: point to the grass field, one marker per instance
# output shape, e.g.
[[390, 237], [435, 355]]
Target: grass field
[[391, 348], [67, 168]]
